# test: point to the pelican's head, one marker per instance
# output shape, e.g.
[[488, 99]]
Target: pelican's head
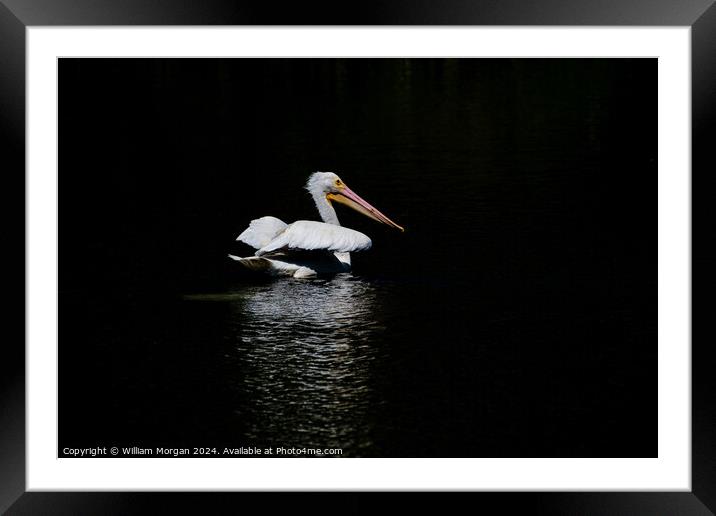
[[329, 186]]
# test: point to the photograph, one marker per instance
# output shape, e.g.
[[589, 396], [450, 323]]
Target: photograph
[[357, 257]]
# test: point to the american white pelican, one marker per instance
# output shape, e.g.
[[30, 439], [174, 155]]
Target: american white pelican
[[307, 248]]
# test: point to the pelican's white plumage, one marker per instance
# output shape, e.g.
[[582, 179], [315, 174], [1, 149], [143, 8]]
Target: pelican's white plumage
[[306, 248], [261, 231], [308, 235]]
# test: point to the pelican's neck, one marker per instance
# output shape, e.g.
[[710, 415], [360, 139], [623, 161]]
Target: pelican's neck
[[328, 215], [325, 209]]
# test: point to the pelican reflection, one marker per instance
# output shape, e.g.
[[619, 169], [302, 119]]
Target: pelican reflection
[[305, 352]]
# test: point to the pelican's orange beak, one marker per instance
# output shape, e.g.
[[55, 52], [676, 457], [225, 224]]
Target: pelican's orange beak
[[353, 200]]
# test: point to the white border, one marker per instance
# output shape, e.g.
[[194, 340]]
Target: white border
[[671, 471]]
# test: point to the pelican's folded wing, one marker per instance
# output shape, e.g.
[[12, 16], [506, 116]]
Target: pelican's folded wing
[[262, 231], [307, 235]]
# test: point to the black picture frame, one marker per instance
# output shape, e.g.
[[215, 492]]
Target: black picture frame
[[17, 15]]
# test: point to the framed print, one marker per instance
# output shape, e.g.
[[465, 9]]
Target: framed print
[[414, 250]]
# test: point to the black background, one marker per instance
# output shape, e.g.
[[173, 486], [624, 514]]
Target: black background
[[528, 190]]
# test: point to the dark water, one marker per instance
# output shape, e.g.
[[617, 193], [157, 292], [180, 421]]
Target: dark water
[[515, 317]]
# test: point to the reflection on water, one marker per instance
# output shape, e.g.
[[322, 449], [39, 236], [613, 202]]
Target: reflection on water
[[304, 350]]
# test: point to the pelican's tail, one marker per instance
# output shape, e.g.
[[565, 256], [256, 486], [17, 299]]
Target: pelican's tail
[[274, 267], [254, 263]]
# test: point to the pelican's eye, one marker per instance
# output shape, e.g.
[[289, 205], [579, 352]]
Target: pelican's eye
[[339, 183]]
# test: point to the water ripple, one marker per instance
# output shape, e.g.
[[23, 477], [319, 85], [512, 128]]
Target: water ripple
[[305, 351]]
